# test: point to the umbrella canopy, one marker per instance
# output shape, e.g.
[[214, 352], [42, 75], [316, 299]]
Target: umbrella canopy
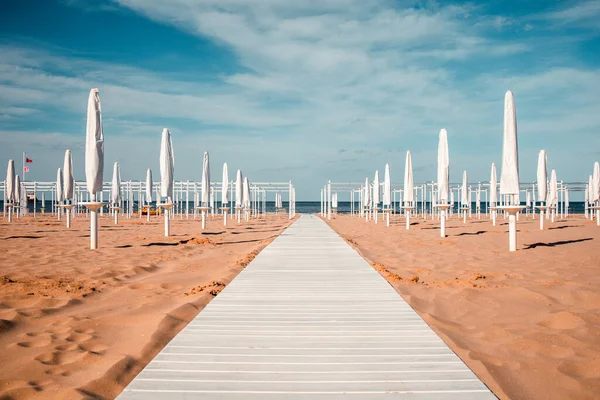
[[239, 189], [167, 165], [246, 193], [387, 187], [212, 197], [376, 199], [334, 202], [10, 180], [567, 198], [409, 187], [115, 193], [493, 186], [452, 197], [590, 188], [59, 185], [443, 167], [149, 186], [478, 199], [94, 145], [17, 191], [509, 180], [553, 192], [225, 186], [464, 190], [68, 181], [205, 180], [367, 197], [542, 176], [528, 200], [596, 183]]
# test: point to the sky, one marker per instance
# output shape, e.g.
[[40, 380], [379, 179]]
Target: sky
[[306, 90]]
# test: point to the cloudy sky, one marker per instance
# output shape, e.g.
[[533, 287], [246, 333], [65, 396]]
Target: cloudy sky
[[307, 90]]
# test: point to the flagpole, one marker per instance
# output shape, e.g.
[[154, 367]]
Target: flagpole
[[24, 173]]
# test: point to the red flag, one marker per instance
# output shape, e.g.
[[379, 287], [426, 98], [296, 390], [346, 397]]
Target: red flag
[[25, 169], [28, 160]]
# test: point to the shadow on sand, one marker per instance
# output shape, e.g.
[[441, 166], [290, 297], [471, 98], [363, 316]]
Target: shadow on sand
[[471, 233], [22, 237], [553, 244]]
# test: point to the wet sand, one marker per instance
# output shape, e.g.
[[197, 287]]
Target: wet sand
[[527, 323], [76, 323]]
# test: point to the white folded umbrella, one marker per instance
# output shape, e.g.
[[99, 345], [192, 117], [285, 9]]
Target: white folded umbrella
[[590, 189], [493, 186], [409, 194], [464, 191], [94, 145], [205, 199], [68, 181], [443, 167], [367, 196], [509, 179], [167, 166], [387, 187], [17, 191], [542, 176], [239, 187], [553, 193], [596, 183], [115, 193], [149, 186], [376, 199], [246, 193], [59, 186], [225, 187], [10, 181]]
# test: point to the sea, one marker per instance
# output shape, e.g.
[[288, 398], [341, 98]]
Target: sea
[[311, 207]]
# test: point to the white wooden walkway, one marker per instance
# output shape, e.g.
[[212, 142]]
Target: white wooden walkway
[[308, 318]]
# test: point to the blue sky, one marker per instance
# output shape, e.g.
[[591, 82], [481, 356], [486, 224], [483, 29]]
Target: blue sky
[[304, 90]]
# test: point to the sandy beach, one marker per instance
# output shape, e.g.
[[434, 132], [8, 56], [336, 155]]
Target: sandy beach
[[527, 323], [76, 323]]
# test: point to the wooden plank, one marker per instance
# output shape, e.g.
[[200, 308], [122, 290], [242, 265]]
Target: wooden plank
[[308, 318]]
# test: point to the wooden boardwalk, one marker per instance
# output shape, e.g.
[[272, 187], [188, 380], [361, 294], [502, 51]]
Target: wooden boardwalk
[[308, 318]]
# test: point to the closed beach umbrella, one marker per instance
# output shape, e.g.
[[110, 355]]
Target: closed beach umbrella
[[528, 200], [59, 186], [205, 181], [553, 193], [167, 166], [94, 145], [376, 199], [464, 191], [238, 189], [367, 197], [596, 183], [149, 186], [225, 186], [10, 181], [68, 181], [387, 187], [246, 193], [493, 186], [17, 191], [115, 193], [94, 160], [542, 176], [409, 194], [443, 167], [509, 179]]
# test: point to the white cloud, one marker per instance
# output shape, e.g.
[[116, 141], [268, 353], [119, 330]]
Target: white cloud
[[317, 77]]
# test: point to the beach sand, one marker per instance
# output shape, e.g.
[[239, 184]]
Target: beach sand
[[527, 323], [76, 323]]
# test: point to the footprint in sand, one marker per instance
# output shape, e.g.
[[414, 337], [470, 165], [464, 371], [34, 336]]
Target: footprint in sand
[[78, 337], [67, 347], [60, 336], [94, 348], [61, 357], [36, 343], [141, 286], [581, 369]]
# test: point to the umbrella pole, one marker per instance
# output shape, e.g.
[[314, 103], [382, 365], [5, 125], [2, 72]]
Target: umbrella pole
[[387, 219], [512, 232], [442, 224], [167, 230], [203, 220], [225, 217], [93, 229], [407, 219]]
